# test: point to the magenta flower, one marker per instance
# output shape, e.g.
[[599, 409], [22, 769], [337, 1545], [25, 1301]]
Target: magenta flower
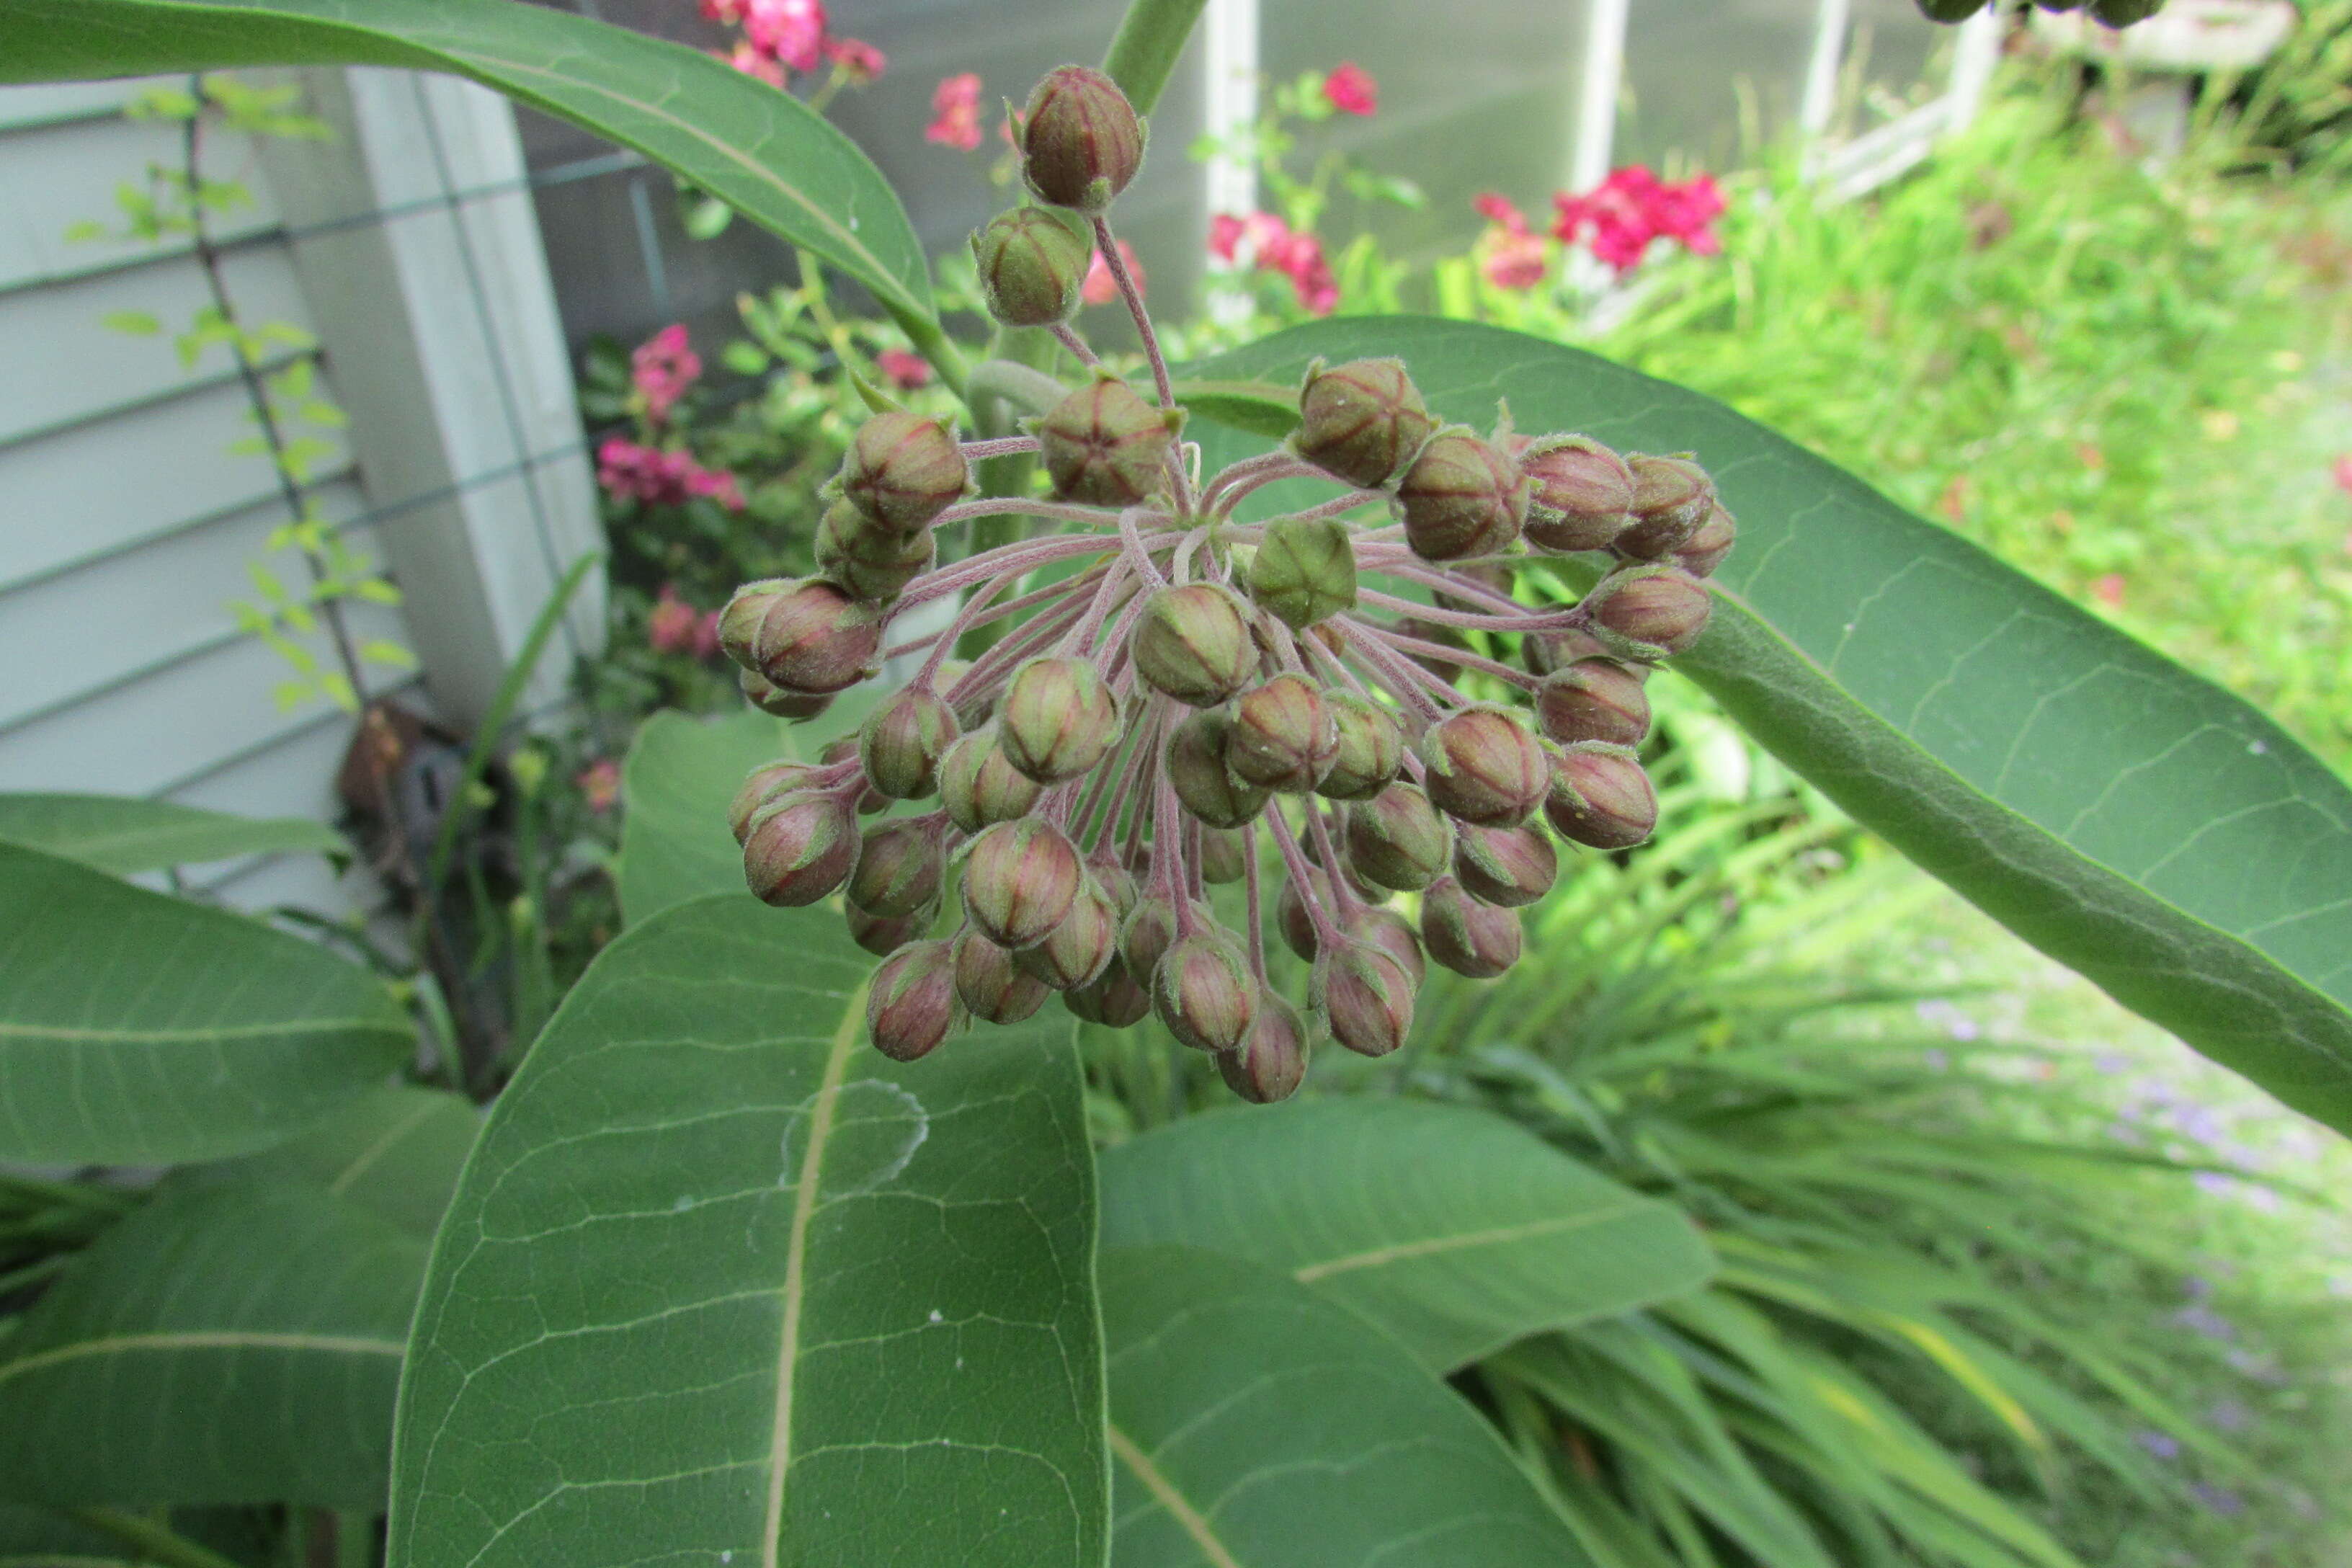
[[599, 784], [1351, 89], [662, 368], [748, 59], [672, 626], [1100, 288], [628, 471], [791, 31], [1496, 209], [858, 60], [955, 112], [1273, 247], [2344, 473], [905, 371], [1620, 219]]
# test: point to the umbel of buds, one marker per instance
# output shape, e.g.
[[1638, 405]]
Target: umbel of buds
[[1194, 739]]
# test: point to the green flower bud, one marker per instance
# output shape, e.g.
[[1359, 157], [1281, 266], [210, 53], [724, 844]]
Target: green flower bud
[[1081, 140], [1672, 496], [1146, 935], [1197, 765], [1112, 997], [899, 867], [1546, 653], [1360, 996], [1649, 612], [1397, 839], [882, 935], [1600, 797], [1362, 422], [903, 470], [1291, 916], [1057, 719], [903, 740], [1584, 493], [1020, 879], [1103, 446], [1271, 1062], [1369, 748], [912, 1007], [1204, 991], [1032, 264], [799, 848], [989, 983], [1485, 766], [867, 558], [1950, 10], [815, 639], [1513, 866], [1478, 940], [1593, 700], [1194, 643], [739, 623], [1704, 551], [771, 699], [1389, 931], [1305, 570], [1115, 882], [1082, 946], [1461, 497], [1222, 858], [1282, 736], [980, 785], [764, 784]]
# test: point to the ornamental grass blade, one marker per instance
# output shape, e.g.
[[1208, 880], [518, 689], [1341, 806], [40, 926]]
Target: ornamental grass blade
[[141, 1029], [1453, 1230], [2130, 819], [125, 835], [722, 1284], [761, 152]]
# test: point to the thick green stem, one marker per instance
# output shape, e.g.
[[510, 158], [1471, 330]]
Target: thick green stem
[[1143, 56], [150, 1539], [1030, 390]]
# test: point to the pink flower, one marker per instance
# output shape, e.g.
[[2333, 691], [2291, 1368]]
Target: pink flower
[[672, 626], [858, 60], [715, 484], [705, 636], [752, 63], [1496, 209], [2342, 473], [2109, 589], [1310, 276], [649, 474], [1633, 208], [955, 112], [1351, 89], [1100, 288], [791, 31], [1225, 237], [662, 368], [1517, 260], [905, 371], [600, 785], [1274, 246]]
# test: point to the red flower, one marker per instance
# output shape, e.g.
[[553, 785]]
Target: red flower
[[1633, 208], [1496, 209], [905, 371], [2109, 589], [791, 31], [860, 61], [1100, 288], [671, 628], [599, 784], [662, 368], [1351, 89], [1225, 236], [955, 112], [1517, 260], [1273, 247]]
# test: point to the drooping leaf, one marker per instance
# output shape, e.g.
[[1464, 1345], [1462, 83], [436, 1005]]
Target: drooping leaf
[[2127, 817], [123, 835], [137, 1028], [722, 1279], [395, 1152], [1257, 1423], [1453, 1230], [762, 152], [224, 1344]]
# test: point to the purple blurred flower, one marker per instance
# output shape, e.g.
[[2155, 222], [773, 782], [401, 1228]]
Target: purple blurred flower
[[2221, 1499], [2163, 1445], [2215, 1183], [2109, 1062], [2205, 1322], [2229, 1416]]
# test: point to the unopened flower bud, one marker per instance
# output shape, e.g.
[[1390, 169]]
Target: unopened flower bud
[[1361, 998], [771, 699], [816, 638], [1703, 552], [1032, 264], [1116, 882], [980, 785], [1103, 446], [903, 740], [1057, 719], [1461, 497], [868, 559], [1650, 612], [1513, 866], [1197, 767], [1294, 920], [1304, 570], [1367, 748], [1600, 797], [1362, 422], [1397, 839], [913, 1007], [1271, 1062], [1594, 700], [739, 623], [1389, 931], [1479, 941], [989, 984], [1283, 735], [900, 866], [882, 935], [903, 470], [1950, 10], [1148, 931], [1194, 642], [799, 847], [1222, 859], [767, 783], [1484, 765], [1081, 140], [1112, 997], [1584, 493], [1020, 879], [1082, 946], [1547, 652], [1672, 496], [1204, 991]]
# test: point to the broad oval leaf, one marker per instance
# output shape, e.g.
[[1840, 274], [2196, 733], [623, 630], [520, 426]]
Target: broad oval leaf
[[2127, 817], [1453, 1230], [1259, 1425], [720, 1279], [124, 834], [762, 152], [137, 1028], [396, 1152], [224, 1344]]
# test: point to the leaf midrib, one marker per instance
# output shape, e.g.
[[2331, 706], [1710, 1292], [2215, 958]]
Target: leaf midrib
[[1432, 1246], [206, 1339], [1166, 1493], [9, 1031]]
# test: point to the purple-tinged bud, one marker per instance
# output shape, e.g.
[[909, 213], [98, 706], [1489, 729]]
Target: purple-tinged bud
[[903, 470], [1103, 446], [773, 700], [1081, 140], [882, 935], [1584, 493], [1194, 643], [1704, 551], [1461, 497], [899, 867], [1367, 748], [979, 785], [1271, 1063], [1360, 996], [1303, 571], [1594, 700], [1031, 265], [799, 847], [765, 783], [1082, 946], [1293, 918], [1485, 766], [1362, 422], [816, 638], [912, 1007], [1478, 940], [1389, 931], [1546, 653], [1222, 859], [1204, 991], [1283, 735], [1057, 719], [1196, 765], [1397, 839], [1112, 997], [1672, 496], [994, 987], [1649, 612], [1020, 879], [739, 623], [902, 741], [867, 558], [1512, 867], [1115, 882], [1147, 934], [1600, 797]]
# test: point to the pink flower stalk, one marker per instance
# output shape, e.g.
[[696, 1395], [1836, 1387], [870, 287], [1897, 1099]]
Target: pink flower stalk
[[1100, 288], [955, 112], [649, 475], [905, 371], [600, 785], [1351, 89], [674, 624], [858, 60], [1633, 208], [662, 368]]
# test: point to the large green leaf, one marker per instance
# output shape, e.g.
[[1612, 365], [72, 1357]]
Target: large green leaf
[[722, 1279], [1452, 1228], [2127, 817], [140, 1029], [37, 1537], [123, 834], [1259, 1425], [395, 1153], [760, 151], [223, 1345]]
